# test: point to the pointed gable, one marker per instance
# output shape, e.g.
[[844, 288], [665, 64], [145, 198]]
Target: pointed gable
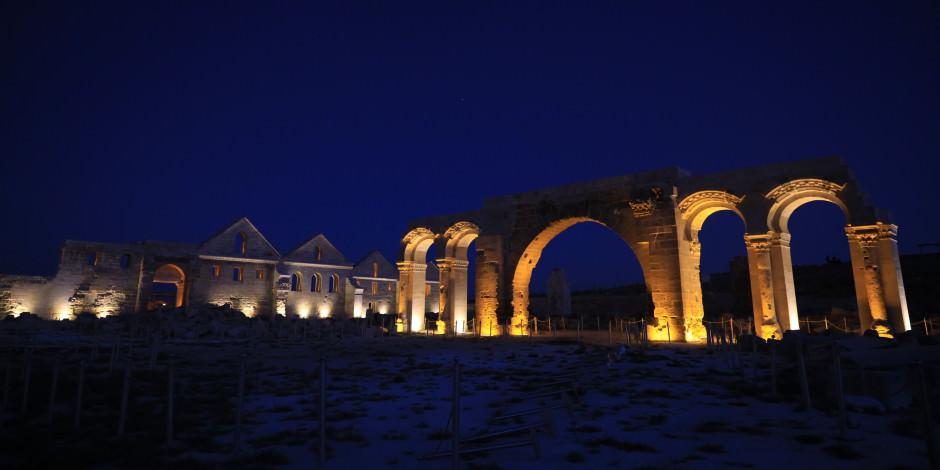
[[241, 239], [372, 262], [432, 274], [317, 250]]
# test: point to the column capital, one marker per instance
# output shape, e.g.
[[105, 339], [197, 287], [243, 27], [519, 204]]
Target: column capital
[[779, 238], [758, 243], [411, 266], [870, 234], [451, 263]]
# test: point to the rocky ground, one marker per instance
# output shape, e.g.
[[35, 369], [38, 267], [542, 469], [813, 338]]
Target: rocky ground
[[389, 400]]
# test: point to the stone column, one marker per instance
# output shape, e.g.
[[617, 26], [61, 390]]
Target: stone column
[[876, 270], [454, 293], [782, 279], [663, 280], [445, 311], [762, 291], [488, 271], [693, 311], [411, 294], [457, 297]]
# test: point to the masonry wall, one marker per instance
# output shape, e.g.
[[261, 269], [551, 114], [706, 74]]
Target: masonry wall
[[20, 294], [251, 295], [432, 297], [383, 300], [305, 302]]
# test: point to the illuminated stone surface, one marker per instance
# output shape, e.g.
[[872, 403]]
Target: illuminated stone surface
[[658, 214], [236, 266]]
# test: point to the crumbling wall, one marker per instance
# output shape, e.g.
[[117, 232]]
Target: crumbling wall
[[20, 294], [383, 300], [252, 294], [100, 278]]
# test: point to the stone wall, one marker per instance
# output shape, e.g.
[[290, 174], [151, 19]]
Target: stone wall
[[108, 279], [20, 294], [253, 294]]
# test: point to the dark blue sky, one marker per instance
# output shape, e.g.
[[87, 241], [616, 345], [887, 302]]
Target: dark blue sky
[[133, 120]]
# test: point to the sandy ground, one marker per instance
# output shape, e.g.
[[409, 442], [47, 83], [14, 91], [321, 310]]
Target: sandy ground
[[389, 400]]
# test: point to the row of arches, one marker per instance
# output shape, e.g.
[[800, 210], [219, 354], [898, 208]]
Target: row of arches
[[872, 248], [671, 263], [453, 268], [316, 282]]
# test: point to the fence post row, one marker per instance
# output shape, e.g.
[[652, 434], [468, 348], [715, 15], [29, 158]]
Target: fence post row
[[455, 435], [322, 411]]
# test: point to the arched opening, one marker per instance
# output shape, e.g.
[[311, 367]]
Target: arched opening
[[822, 271], [817, 237], [296, 282], [716, 284], [600, 284], [412, 301], [240, 246], [317, 253], [455, 275], [723, 270], [316, 283], [169, 286], [333, 283]]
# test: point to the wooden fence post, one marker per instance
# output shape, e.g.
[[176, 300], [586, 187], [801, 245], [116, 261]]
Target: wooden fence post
[[6, 384], [929, 435], [122, 419], [840, 393], [27, 371], [52, 389], [455, 402], [801, 369], [112, 358], [78, 395], [241, 401], [643, 334], [322, 403], [169, 403], [773, 367]]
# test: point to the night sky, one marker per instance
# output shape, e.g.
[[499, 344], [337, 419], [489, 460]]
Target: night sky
[[133, 120]]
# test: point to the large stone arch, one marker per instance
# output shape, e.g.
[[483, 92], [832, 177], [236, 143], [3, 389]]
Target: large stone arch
[[789, 196], [876, 271], [522, 274], [692, 212], [454, 277], [413, 276], [642, 216]]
